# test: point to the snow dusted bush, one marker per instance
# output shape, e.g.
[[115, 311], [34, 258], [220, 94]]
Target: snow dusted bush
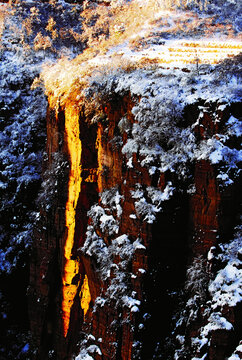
[[197, 279], [113, 265], [88, 347], [224, 290], [147, 207], [112, 253], [48, 26], [223, 9], [237, 353]]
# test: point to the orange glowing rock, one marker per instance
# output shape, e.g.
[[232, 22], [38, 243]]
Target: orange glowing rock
[[71, 267], [85, 295], [69, 293]]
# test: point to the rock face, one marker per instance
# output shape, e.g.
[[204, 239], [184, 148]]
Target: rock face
[[103, 275]]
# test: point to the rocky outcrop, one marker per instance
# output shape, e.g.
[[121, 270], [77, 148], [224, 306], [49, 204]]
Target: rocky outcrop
[[102, 272]]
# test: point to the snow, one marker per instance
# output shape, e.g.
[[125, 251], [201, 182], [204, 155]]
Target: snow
[[216, 156], [215, 322], [137, 245], [157, 196], [142, 271], [84, 356], [239, 348], [100, 301], [199, 342], [94, 349], [234, 357], [88, 348], [210, 255], [108, 223], [234, 127], [200, 358], [148, 207], [226, 289], [134, 309], [225, 178], [131, 303], [146, 211]]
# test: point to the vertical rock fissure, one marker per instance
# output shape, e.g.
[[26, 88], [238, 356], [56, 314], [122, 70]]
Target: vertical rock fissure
[[70, 266], [82, 193], [45, 270]]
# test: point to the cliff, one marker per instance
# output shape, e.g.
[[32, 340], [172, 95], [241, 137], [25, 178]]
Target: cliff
[[141, 201], [119, 180]]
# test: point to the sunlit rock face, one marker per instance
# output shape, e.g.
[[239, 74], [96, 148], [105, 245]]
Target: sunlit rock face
[[140, 180], [107, 265], [61, 282]]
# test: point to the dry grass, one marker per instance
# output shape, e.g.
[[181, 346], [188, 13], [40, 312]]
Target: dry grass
[[132, 24], [137, 22], [107, 27], [2, 17]]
